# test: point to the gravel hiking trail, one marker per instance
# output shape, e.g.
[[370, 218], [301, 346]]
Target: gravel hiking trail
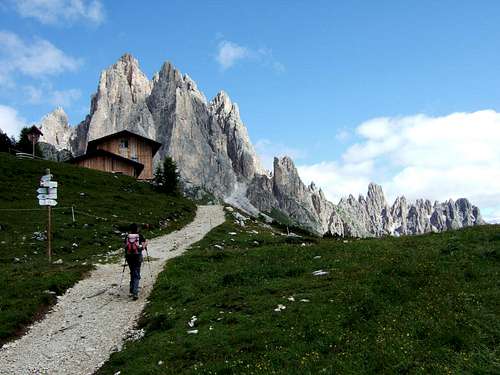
[[94, 318]]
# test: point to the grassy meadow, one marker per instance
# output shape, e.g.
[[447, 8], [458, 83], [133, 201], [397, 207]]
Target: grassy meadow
[[410, 305], [105, 205]]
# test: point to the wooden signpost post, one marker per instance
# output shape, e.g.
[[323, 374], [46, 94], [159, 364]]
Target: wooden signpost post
[[47, 195]]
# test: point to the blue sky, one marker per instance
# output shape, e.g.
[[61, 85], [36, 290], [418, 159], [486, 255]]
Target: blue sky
[[309, 77]]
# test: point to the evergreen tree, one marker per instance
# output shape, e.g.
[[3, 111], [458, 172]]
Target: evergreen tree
[[167, 177], [6, 143]]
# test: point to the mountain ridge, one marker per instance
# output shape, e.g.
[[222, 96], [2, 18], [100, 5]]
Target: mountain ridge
[[212, 149]]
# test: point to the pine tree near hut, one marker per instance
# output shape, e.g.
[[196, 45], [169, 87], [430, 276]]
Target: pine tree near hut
[[167, 177]]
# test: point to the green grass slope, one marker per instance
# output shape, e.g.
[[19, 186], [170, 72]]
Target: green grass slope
[[105, 205], [412, 305]]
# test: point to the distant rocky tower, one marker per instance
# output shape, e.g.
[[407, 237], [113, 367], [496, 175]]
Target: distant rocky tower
[[212, 149]]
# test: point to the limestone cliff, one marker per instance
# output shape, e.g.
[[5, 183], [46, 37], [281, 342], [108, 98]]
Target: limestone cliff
[[212, 149]]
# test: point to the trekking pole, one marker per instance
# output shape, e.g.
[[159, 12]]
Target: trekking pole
[[149, 265], [123, 271]]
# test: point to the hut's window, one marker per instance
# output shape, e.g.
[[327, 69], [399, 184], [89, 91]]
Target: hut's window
[[124, 143]]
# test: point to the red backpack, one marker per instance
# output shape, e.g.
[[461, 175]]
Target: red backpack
[[132, 244]]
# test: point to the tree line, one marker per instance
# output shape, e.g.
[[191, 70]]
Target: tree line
[[11, 145]]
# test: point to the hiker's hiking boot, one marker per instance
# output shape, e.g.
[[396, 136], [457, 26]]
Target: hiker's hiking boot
[[135, 297]]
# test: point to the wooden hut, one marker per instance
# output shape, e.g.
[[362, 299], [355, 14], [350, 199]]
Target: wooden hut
[[123, 152]]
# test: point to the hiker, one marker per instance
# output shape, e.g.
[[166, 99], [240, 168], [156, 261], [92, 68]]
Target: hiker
[[135, 243]]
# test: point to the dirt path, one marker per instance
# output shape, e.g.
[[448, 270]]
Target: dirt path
[[91, 320]]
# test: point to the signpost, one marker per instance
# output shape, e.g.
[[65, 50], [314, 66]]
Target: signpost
[[47, 195]]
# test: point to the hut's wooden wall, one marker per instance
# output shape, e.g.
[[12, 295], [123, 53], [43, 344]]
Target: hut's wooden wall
[[138, 150], [107, 164]]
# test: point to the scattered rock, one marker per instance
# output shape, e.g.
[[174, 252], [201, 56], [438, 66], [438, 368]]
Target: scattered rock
[[320, 273], [59, 261], [229, 209], [317, 257], [192, 321], [135, 334], [219, 247], [280, 307], [39, 236], [192, 332], [239, 216]]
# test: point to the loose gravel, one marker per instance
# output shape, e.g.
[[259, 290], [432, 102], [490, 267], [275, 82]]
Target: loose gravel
[[95, 317]]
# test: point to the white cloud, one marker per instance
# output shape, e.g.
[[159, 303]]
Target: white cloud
[[451, 156], [343, 135], [57, 98], [36, 59], [336, 179], [229, 53], [57, 12], [267, 150], [10, 122]]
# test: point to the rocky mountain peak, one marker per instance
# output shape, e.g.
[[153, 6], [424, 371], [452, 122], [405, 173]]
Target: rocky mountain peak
[[127, 58], [376, 194], [211, 146], [59, 112], [285, 164], [168, 69], [222, 105], [120, 101], [286, 178], [56, 130]]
